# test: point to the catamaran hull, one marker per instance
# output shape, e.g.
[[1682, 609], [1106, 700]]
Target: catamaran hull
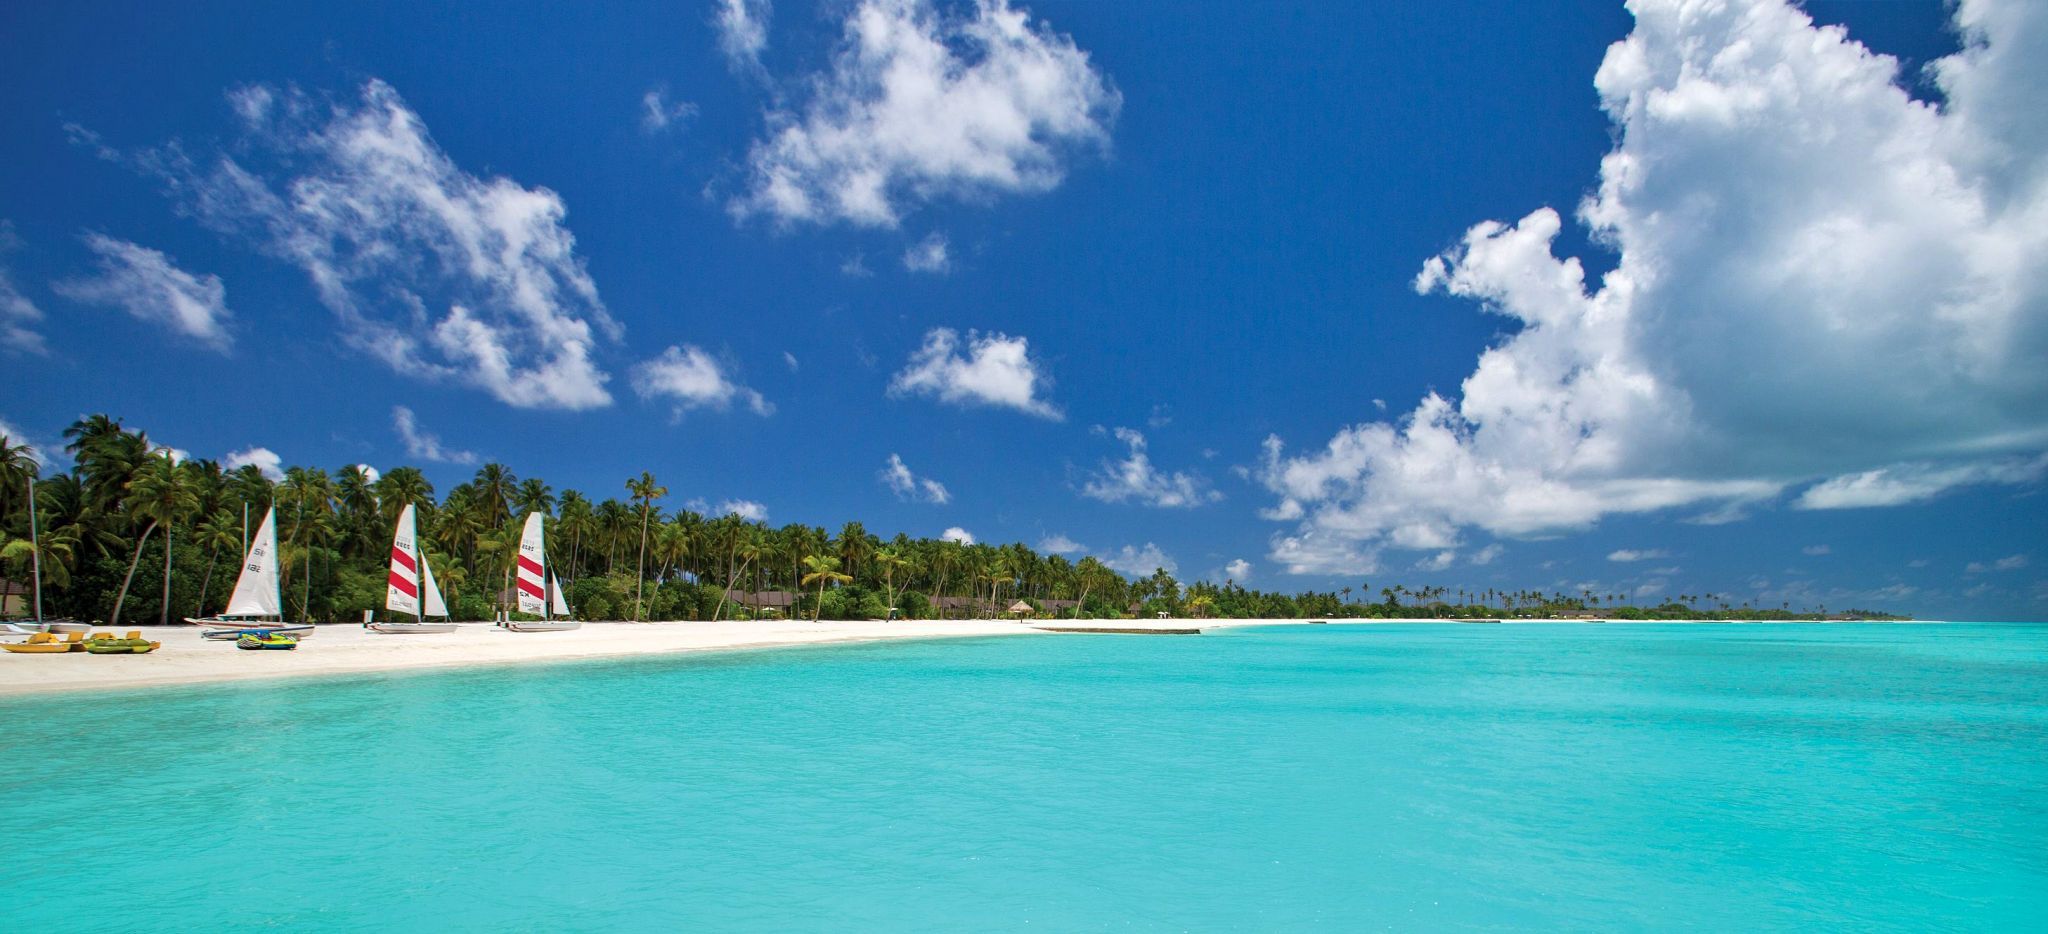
[[399, 629], [234, 630], [537, 626]]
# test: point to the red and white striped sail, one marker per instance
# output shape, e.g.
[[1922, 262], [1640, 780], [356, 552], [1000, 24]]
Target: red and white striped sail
[[402, 590], [532, 573]]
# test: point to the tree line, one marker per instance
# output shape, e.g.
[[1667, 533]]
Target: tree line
[[133, 533]]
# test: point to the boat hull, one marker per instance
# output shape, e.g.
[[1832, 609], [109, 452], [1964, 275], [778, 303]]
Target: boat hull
[[399, 629], [539, 626], [233, 632], [40, 648]]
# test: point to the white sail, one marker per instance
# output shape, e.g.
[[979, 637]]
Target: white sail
[[532, 574], [402, 588], [430, 591], [256, 592], [561, 606]]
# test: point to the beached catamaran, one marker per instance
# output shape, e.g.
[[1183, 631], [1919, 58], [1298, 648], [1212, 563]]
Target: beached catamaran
[[535, 584], [410, 587], [256, 591]]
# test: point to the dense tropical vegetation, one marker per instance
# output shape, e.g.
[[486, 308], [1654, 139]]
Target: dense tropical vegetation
[[132, 534]]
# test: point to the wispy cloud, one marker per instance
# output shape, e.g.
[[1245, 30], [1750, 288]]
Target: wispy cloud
[[1140, 561], [438, 272], [743, 32], [150, 287], [2007, 563], [424, 444], [658, 113], [1136, 480], [18, 315], [912, 487], [929, 255], [1625, 555]]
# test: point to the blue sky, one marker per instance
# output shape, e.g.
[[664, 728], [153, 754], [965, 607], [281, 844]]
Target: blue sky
[[1201, 283]]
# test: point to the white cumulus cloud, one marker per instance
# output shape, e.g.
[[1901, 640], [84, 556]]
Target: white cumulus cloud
[[370, 474], [1059, 544], [957, 534], [910, 486], [744, 508], [150, 287], [1238, 570], [1637, 554], [424, 444], [265, 460], [996, 370], [1785, 215], [438, 272], [919, 104], [689, 378], [1136, 480]]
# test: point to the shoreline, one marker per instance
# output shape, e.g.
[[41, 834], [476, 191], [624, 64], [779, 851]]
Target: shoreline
[[343, 650]]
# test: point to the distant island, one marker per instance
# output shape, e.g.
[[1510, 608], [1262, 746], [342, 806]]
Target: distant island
[[132, 532]]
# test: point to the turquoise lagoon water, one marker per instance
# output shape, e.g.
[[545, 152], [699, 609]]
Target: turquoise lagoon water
[[1318, 778]]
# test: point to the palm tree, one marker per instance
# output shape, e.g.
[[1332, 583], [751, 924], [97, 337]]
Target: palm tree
[[533, 495], [17, 472], [824, 570], [646, 491], [495, 486], [217, 533], [891, 561], [400, 487], [162, 494], [574, 520]]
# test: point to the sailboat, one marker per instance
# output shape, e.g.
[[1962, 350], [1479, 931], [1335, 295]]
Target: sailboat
[[533, 582], [256, 591], [410, 588]]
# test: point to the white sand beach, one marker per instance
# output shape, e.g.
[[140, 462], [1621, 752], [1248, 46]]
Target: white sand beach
[[185, 658]]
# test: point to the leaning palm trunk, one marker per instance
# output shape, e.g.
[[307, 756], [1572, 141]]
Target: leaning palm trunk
[[164, 612], [640, 569], [206, 582], [114, 618]]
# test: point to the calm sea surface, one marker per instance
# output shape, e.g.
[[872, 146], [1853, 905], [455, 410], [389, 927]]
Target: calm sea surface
[[1320, 778]]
